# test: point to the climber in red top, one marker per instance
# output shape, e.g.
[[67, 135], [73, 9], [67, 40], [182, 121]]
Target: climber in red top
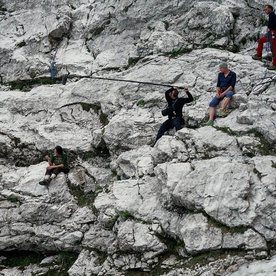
[[269, 37]]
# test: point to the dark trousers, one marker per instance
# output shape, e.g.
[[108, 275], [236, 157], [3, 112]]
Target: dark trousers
[[56, 171], [169, 124]]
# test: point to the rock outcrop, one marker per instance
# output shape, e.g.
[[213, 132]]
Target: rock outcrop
[[200, 202]]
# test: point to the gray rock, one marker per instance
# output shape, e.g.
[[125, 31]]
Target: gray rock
[[138, 237], [198, 235], [124, 204]]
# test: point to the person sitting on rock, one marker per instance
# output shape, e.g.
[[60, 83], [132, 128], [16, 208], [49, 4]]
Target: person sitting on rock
[[269, 37], [57, 163], [225, 90], [173, 111]]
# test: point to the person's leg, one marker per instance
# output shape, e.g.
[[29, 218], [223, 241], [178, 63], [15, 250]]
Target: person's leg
[[212, 108], [274, 48], [55, 173], [227, 100], [212, 112], [65, 170], [177, 123], [164, 127], [261, 46], [46, 177]]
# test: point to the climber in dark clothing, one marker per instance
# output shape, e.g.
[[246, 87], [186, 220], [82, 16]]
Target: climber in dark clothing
[[57, 163], [173, 111]]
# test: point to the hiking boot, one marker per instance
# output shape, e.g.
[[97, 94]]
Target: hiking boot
[[209, 123], [43, 182], [272, 67], [256, 57], [222, 114]]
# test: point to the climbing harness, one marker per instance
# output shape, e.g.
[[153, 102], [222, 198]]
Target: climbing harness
[[53, 67], [65, 77], [269, 44]]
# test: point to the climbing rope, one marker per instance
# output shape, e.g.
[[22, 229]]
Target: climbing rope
[[128, 81]]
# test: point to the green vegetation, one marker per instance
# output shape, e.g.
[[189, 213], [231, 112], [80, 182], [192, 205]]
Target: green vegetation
[[27, 85], [167, 24], [204, 258], [97, 31], [150, 28], [2, 7], [64, 260], [33, 74], [265, 148], [96, 108], [259, 175], [176, 53], [104, 119], [225, 228], [13, 199], [21, 259], [235, 48], [86, 107], [88, 155], [273, 165], [125, 215], [21, 44], [131, 62], [127, 7], [226, 130], [141, 102], [82, 198], [173, 244]]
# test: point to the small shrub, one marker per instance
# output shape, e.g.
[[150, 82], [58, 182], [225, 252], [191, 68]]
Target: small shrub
[[21, 259], [125, 215], [176, 53], [141, 102], [225, 228], [167, 24]]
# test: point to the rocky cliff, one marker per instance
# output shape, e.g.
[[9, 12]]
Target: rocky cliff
[[200, 202]]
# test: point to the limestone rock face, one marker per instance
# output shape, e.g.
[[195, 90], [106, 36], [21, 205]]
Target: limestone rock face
[[129, 204]]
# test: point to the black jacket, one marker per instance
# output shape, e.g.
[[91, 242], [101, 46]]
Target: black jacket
[[178, 103], [272, 21]]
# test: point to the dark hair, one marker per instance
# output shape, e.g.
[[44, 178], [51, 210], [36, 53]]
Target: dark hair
[[269, 6], [59, 150], [175, 93]]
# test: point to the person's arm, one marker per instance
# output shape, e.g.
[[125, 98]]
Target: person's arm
[[270, 22], [167, 95], [190, 97], [58, 166], [55, 166], [49, 159], [218, 85], [218, 91], [64, 162]]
